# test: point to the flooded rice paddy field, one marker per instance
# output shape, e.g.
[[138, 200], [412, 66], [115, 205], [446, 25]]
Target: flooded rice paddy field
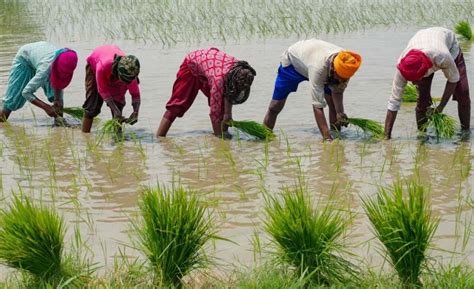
[[97, 186]]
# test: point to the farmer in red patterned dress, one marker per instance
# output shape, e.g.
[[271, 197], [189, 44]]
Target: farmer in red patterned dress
[[222, 78]]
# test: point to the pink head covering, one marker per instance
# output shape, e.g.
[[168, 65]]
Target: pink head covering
[[63, 69], [414, 65]]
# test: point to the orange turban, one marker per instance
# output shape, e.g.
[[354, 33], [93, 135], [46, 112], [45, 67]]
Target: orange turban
[[346, 63]]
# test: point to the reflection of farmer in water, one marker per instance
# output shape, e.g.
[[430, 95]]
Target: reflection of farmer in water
[[430, 50], [328, 69], [109, 74], [222, 78], [39, 64]]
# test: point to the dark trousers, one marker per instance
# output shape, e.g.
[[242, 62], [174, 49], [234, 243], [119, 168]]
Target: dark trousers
[[461, 95]]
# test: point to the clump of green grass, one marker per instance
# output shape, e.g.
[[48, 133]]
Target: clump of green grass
[[401, 218], [464, 29], [443, 125], [253, 128], [410, 94], [173, 230], [32, 240], [459, 276], [75, 112], [267, 275], [368, 126], [308, 239]]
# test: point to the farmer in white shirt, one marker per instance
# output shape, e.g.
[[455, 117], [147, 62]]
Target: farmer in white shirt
[[328, 68], [430, 50]]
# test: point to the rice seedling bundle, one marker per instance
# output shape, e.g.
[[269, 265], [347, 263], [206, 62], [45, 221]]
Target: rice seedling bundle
[[464, 29], [401, 218], [253, 128], [368, 126], [172, 233], [410, 94], [308, 239], [443, 125], [112, 128], [32, 239], [75, 112]]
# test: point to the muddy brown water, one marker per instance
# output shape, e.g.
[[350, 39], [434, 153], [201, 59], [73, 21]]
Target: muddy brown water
[[97, 188]]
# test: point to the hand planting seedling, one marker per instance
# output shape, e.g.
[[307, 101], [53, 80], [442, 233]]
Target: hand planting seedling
[[112, 128], [443, 125]]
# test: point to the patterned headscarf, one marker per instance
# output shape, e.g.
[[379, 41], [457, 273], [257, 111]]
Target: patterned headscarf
[[126, 68], [238, 81]]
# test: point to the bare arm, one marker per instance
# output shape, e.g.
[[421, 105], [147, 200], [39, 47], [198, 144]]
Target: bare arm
[[44, 106], [322, 123], [338, 104], [58, 104], [133, 118], [115, 111], [389, 121], [220, 127]]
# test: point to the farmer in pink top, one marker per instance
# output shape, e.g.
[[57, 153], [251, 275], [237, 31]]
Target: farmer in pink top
[[222, 78], [109, 74]]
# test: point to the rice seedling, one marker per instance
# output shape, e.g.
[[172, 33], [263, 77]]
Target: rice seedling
[[172, 232], [401, 218], [443, 125], [253, 128], [112, 128], [32, 240], [238, 19], [372, 127], [464, 29], [410, 94], [308, 239], [75, 112], [459, 276]]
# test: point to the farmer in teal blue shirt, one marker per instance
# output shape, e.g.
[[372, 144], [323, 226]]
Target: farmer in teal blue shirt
[[36, 65]]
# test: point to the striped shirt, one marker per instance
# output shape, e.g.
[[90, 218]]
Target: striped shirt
[[440, 45], [313, 59]]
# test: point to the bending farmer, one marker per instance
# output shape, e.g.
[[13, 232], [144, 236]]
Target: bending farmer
[[222, 78], [109, 74], [430, 50], [328, 69], [39, 64]]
